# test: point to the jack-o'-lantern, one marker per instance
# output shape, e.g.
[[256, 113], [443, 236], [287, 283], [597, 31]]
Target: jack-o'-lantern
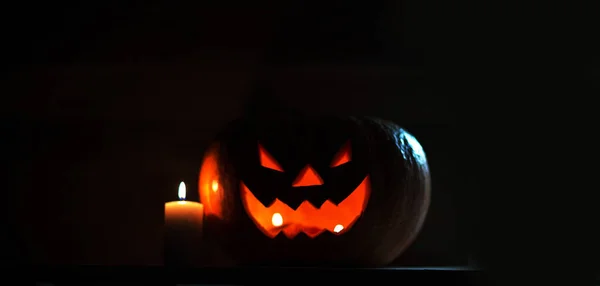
[[314, 191], [312, 212]]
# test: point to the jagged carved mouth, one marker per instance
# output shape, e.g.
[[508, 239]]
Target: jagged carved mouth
[[279, 217]]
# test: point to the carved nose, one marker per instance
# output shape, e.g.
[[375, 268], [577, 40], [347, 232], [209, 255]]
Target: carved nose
[[307, 177]]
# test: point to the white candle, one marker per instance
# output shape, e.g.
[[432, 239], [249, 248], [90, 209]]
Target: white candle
[[183, 232], [184, 214]]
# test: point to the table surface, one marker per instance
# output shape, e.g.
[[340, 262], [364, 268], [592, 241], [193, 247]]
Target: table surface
[[244, 276]]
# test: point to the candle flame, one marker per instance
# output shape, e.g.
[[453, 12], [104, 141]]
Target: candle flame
[[181, 191], [215, 185], [277, 219]]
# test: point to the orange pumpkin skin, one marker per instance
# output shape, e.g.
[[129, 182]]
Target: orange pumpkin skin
[[309, 191]]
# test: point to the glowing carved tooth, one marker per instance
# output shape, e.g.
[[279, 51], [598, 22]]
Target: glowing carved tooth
[[277, 219], [338, 228]]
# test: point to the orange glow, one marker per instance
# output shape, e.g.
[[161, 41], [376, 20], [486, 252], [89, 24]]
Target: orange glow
[[343, 156], [307, 218], [208, 184], [267, 161], [307, 177]]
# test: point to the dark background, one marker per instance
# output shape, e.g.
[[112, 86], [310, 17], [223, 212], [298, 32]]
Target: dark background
[[107, 106]]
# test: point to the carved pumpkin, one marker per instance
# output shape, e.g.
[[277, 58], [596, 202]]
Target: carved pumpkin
[[311, 191]]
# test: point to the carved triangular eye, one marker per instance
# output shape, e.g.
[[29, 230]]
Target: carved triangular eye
[[266, 160], [343, 156]]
